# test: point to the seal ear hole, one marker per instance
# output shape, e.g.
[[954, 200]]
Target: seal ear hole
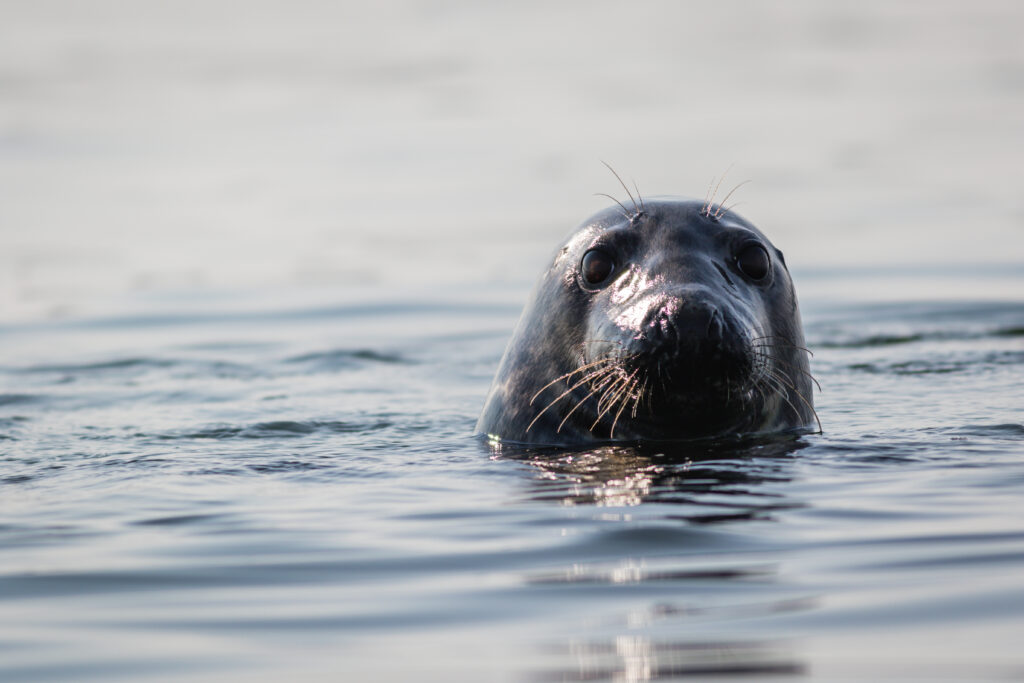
[[753, 261], [597, 267]]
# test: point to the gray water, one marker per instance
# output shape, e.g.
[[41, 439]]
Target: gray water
[[258, 263], [295, 491]]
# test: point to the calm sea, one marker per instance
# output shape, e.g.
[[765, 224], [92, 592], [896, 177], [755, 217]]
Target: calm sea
[[258, 263], [243, 492]]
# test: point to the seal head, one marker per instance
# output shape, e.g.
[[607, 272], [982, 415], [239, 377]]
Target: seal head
[[672, 323]]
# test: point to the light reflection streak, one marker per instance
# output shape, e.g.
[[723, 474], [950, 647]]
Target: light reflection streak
[[718, 482], [629, 658]]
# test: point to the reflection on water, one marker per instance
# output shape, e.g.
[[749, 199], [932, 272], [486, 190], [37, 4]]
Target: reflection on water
[[722, 479], [277, 481], [258, 463], [658, 635], [630, 654], [636, 658]]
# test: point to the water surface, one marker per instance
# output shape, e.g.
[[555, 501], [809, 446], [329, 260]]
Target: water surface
[[258, 265], [211, 489]]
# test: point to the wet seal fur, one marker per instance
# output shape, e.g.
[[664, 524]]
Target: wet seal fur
[[694, 333]]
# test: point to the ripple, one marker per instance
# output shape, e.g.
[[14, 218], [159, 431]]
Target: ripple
[[342, 359], [638, 575], [941, 367], [278, 429], [957, 327], [220, 369], [284, 466], [19, 399], [11, 423], [1010, 430], [118, 364], [878, 340], [177, 520]]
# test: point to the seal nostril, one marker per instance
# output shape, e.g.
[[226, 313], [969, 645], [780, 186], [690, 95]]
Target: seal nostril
[[686, 326]]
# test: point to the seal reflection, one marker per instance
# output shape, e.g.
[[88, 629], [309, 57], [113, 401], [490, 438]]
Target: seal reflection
[[711, 481], [632, 659], [673, 584]]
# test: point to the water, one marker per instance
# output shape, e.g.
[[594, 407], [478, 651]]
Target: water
[[211, 489], [257, 268]]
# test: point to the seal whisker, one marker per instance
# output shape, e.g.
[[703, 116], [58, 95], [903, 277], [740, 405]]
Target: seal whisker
[[781, 392], [568, 391], [625, 211], [790, 365], [605, 389], [639, 396], [729, 208], [643, 209], [625, 391], [783, 377], [788, 346], [711, 200], [721, 211], [707, 198], [625, 400], [615, 386], [758, 386], [609, 395], [596, 389], [800, 396], [601, 375], [774, 336], [570, 374], [622, 404], [787, 343], [606, 394], [636, 209]]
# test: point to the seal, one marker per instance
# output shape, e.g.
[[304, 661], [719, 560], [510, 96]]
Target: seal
[[675, 321]]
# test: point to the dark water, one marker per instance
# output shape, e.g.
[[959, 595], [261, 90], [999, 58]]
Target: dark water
[[225, 489]]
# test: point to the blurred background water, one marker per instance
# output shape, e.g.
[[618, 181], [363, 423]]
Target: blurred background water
[[258, 262]]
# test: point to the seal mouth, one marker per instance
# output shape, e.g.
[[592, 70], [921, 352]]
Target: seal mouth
[[704, 368], [671, 389], [675, 391], [702, 385]]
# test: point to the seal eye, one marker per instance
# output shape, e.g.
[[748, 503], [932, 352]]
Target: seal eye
[[753, 262], [597, 266]]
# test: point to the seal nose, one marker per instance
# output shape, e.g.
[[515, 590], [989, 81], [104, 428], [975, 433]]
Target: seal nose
[[685, 321], [698, 343]]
